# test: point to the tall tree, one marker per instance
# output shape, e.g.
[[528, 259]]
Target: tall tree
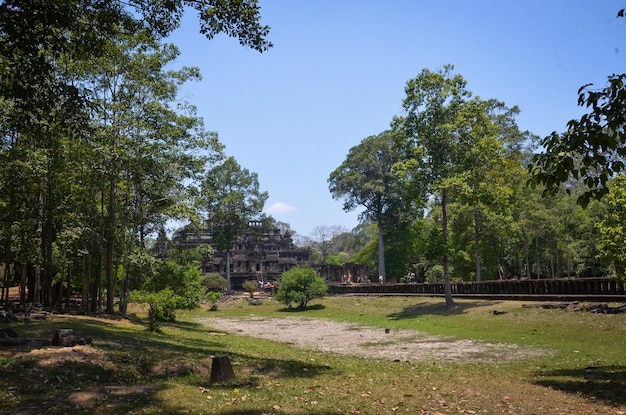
[[46, 103], [450, 135], [366, 179], [231, 197]]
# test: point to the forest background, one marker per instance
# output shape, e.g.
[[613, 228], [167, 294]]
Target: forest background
[[98, 153]]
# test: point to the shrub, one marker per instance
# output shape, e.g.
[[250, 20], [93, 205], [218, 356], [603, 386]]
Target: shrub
[[161, 305], [300, 285], [213, 297], [250, 287], [214, 282]]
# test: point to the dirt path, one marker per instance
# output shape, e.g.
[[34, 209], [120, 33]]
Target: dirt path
[[370, 342]]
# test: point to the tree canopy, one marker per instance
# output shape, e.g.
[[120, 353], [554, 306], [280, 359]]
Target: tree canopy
[[366, 178], [230, 196], [98, 151], [592, 149]]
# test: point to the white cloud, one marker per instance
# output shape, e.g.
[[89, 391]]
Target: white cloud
[[280, 207]]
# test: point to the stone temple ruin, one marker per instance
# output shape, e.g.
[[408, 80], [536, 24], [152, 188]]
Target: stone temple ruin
[[259, 254]]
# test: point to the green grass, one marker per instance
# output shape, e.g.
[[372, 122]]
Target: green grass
[[134, 371]]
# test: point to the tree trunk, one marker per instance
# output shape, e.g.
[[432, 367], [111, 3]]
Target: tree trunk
[[526, 256], [47, 240], [68, 291], [228, 286], [125, 287], [477, 243], [23, 276], [446, 265], [4, 297], [381, 253], [537, 260], [110, 246], [84, 304], [37, 285], [96, 303]]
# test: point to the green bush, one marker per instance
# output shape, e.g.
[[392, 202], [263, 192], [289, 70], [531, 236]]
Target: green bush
[[435, 273], [250, 287], [214, 282], [300, 285], [213, 297], [161, 305]]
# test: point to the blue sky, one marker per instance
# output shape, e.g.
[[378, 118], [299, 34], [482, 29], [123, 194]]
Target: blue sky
[[337, 71]]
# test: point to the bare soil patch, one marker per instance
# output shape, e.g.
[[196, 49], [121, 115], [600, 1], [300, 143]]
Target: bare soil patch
[[50, 356], [371, 342]]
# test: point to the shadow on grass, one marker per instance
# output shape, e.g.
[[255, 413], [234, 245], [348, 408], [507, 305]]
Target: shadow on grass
[[300, 310], [606, 383], [438, 308], [72, 387], [268, 410], [127, 368]]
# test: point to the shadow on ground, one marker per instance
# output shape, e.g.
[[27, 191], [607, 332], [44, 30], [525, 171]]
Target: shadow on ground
[[300, 310], [606, 383], [439, 309], [266, 411], [127, 370]]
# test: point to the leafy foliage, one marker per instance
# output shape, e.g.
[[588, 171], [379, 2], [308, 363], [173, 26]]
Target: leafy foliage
[[612, 228], [300, 285], [250, 286], [231, 196], [214, 282], [162, 305], [176, 284], [89, 117], [213, 297], [593, 148], [366, 178]]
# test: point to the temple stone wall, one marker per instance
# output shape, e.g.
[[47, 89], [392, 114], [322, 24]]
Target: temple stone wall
[[259, 254]]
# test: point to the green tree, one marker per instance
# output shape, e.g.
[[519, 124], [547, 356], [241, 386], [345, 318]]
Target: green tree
[[161, 306], [443, 123], [206, 251], [231, 197], [169, 285], [140, 137], [50, 52], [300, 285], [366, 179], [339, 259], [482, 198], [612, 228]]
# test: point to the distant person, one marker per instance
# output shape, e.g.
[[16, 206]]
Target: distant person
[[380, 279]]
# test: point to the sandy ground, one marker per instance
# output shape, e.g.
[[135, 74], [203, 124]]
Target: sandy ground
[[370, 342]]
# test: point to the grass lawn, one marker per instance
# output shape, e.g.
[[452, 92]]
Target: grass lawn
[[128, 370]]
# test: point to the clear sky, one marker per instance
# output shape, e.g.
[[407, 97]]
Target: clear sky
[[337, 71]]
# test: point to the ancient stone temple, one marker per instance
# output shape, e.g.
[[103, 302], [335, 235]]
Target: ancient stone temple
[[259, 254]]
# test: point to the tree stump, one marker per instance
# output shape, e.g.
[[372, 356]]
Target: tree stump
[[221, 370]]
